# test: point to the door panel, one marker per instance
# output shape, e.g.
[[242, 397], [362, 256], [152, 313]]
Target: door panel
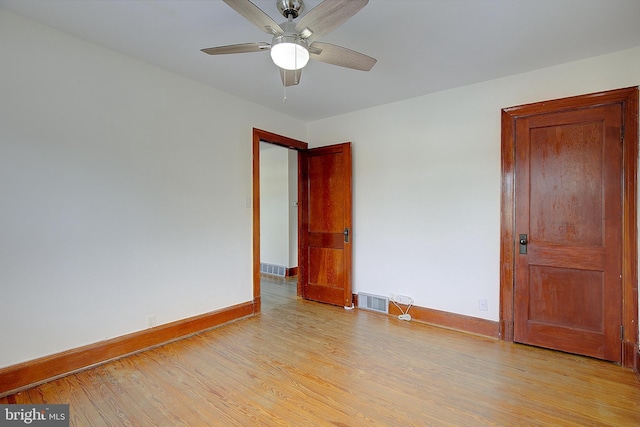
[[568, 196], [325, 252], [558, 296]]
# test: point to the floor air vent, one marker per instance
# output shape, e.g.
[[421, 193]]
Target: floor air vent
[[273, 269], [373, 302]]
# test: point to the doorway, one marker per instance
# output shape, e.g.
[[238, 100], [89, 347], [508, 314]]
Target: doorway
[[278, 210], [280, 141], [568, 226], [325, 231]]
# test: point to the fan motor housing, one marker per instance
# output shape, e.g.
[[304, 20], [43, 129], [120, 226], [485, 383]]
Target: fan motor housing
[[290, 7]]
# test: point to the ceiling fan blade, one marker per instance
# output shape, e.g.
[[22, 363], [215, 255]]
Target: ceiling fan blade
[[256, 16], [327, 16], [290, 77], [237, 48], [338, 55]]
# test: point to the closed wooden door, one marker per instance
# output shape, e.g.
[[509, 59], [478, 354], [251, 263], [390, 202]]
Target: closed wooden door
[[325, 224], [568, 225]]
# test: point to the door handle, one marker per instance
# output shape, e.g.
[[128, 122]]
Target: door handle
[[346, 235], [523, 243]]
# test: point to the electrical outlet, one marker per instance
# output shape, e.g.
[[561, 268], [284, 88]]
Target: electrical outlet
[[482, 304], [151, 321]]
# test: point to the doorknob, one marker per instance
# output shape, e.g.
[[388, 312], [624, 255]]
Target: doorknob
[[523, 243], [346, 235]]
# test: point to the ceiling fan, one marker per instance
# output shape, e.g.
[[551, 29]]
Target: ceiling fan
[[293, 44]]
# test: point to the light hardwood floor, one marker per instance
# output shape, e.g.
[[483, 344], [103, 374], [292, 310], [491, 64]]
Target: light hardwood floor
[[301, 363]]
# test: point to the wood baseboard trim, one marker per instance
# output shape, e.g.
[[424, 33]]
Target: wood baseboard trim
[[637, 365], [292, 272], [444, 319], [630, 355], [31, 373]]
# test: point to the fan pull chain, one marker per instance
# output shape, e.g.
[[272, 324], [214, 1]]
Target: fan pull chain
[[284, 98]]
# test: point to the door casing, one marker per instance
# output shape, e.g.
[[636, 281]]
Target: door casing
[[628, 98]]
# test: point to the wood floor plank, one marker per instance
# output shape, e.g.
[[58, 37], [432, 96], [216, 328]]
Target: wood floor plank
[[301, 363], [131, 384]]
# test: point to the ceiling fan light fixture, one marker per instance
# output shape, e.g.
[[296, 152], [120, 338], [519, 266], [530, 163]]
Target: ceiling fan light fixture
[[289, 52]]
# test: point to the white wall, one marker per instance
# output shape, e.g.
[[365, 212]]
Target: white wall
[[274, 205], [278, 210], [427, 182], [123, 193], [293, 208]]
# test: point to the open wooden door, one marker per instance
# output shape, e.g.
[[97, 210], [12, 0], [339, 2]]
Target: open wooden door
[[325, 224]]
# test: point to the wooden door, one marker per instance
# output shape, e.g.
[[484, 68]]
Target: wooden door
[[568, 225], [325, 224]]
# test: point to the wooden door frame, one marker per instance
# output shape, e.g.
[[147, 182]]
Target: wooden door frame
[[282, 141], [628, 97]]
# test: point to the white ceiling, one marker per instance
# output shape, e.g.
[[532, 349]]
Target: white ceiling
[[422, 46]]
